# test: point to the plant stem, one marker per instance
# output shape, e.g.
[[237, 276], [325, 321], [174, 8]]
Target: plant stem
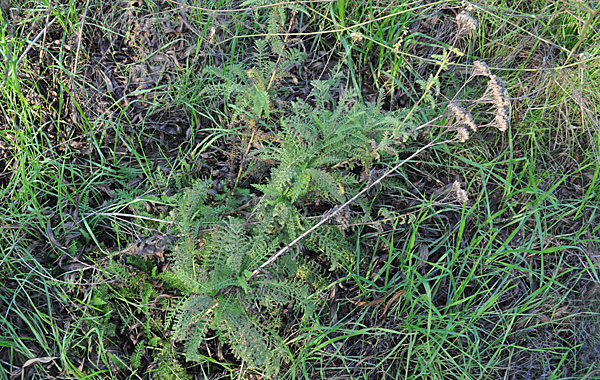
[[584, 30]]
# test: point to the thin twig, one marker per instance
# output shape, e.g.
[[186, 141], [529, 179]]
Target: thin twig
[[43, 43], [242, 371], [41, 33], [327, 216]]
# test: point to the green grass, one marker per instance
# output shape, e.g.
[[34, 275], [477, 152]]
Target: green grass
[[104, 121]]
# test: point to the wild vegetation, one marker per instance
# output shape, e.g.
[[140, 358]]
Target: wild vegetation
[[300, 189]]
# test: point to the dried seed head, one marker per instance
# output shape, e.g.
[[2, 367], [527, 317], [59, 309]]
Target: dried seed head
[[463, 134], [467, 6], [497, 90], [481, 68], [356, 37], [343, 218], [211, 35], [466, 23], [460, 194], [502, 119], [463, 117]]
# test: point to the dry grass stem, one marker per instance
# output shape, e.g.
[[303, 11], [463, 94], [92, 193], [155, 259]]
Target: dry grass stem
[[24, 54]]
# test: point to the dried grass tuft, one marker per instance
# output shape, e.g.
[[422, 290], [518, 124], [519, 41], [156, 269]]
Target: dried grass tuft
[[466, 23]]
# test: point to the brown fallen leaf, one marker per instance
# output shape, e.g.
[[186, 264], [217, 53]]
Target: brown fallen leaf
[[423, 255], [21, 371], [379, 300], [392, 300], [543, 318], [560, 311], [50, 235], [592, 251]]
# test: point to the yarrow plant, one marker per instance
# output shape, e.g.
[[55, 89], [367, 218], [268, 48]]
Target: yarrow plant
[[463, 117], [244, 272], [481, 68], [460, 194]]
